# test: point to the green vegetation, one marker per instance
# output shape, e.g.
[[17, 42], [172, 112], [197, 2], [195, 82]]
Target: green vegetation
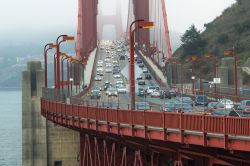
[[231, 29]]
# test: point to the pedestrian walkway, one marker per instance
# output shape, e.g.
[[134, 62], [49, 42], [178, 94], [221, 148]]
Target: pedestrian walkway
[[158, 72], [89, 67]]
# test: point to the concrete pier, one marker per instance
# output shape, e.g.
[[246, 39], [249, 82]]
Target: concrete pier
[[43, 143]]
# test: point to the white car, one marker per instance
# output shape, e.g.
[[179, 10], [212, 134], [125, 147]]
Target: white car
[[228, 104], [107, 59], [121, 89], [108, 70], [155, 93], [117, 76], [145, 70], [150, 89], [108, 65], [111, 92], [99, 62], [99, 65], [99, 69], [119, 81], [98, 78]]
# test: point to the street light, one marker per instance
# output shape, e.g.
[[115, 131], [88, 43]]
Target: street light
[[64, 57], [141, 25], [64, 38], [192, 59], [47, 47], [233, 52], [214, 58]]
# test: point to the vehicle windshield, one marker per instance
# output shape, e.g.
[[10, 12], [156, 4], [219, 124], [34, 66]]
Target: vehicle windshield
[[248, 103], [202, 98]]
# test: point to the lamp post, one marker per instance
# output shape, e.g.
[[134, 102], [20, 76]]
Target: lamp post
[[141, 24], [235, 73], [192, 59], [64, 38], [233, 52], [46, 49], [65, 56], [211, 56]]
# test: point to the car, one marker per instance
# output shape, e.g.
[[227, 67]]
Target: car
[[107, 85], [141, 92], [155, 93], [98, 78], [107, 59], [221, 111], [139, 77], [141, 65], [121, 88], [141, 82], [97, 88], [187, 100], [165, 94], [119, 81], [95, 94], [117, 76], [99, 62], [168, 107], [201, 100], [239, 113], [100, 73], [145, 70], [122, 57], [148, 77], [178, 107], [99, 65], [139, 61], [228, 104], [151, 89], [173, 92], [111, 92], [108, 70], [116, 71], [214, 105], [244, 105], [142, 106], [99, 69], [108, 65]]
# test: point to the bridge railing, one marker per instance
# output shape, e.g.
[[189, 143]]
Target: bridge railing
[[239, 126]]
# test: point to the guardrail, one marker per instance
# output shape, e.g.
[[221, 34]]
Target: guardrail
[[201, 123]]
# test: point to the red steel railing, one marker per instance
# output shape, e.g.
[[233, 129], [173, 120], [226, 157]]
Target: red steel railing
[[239, 126]]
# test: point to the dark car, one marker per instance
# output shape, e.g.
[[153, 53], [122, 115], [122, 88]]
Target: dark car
[[141, 82], [186, 100], [165, 94], [148, 77], [142, 106], [107, 85], [122, 57], [141, 92], [173, 92], [95, 94], [239, 113], [201, 100], [139, 61], [141, 65]]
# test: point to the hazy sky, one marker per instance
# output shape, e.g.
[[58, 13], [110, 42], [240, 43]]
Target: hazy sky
[[39, 16]]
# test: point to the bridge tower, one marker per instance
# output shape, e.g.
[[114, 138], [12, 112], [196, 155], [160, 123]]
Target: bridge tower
[[115, 20]]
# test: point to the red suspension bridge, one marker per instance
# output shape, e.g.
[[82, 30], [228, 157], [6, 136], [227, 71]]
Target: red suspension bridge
[[121, 134]]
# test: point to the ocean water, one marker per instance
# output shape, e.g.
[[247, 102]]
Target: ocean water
[[10, 127]]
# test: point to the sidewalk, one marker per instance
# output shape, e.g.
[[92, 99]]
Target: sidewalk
[[89, 67], [158, 72]]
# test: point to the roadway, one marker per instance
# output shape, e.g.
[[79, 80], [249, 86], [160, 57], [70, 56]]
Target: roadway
[[123, 98]]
